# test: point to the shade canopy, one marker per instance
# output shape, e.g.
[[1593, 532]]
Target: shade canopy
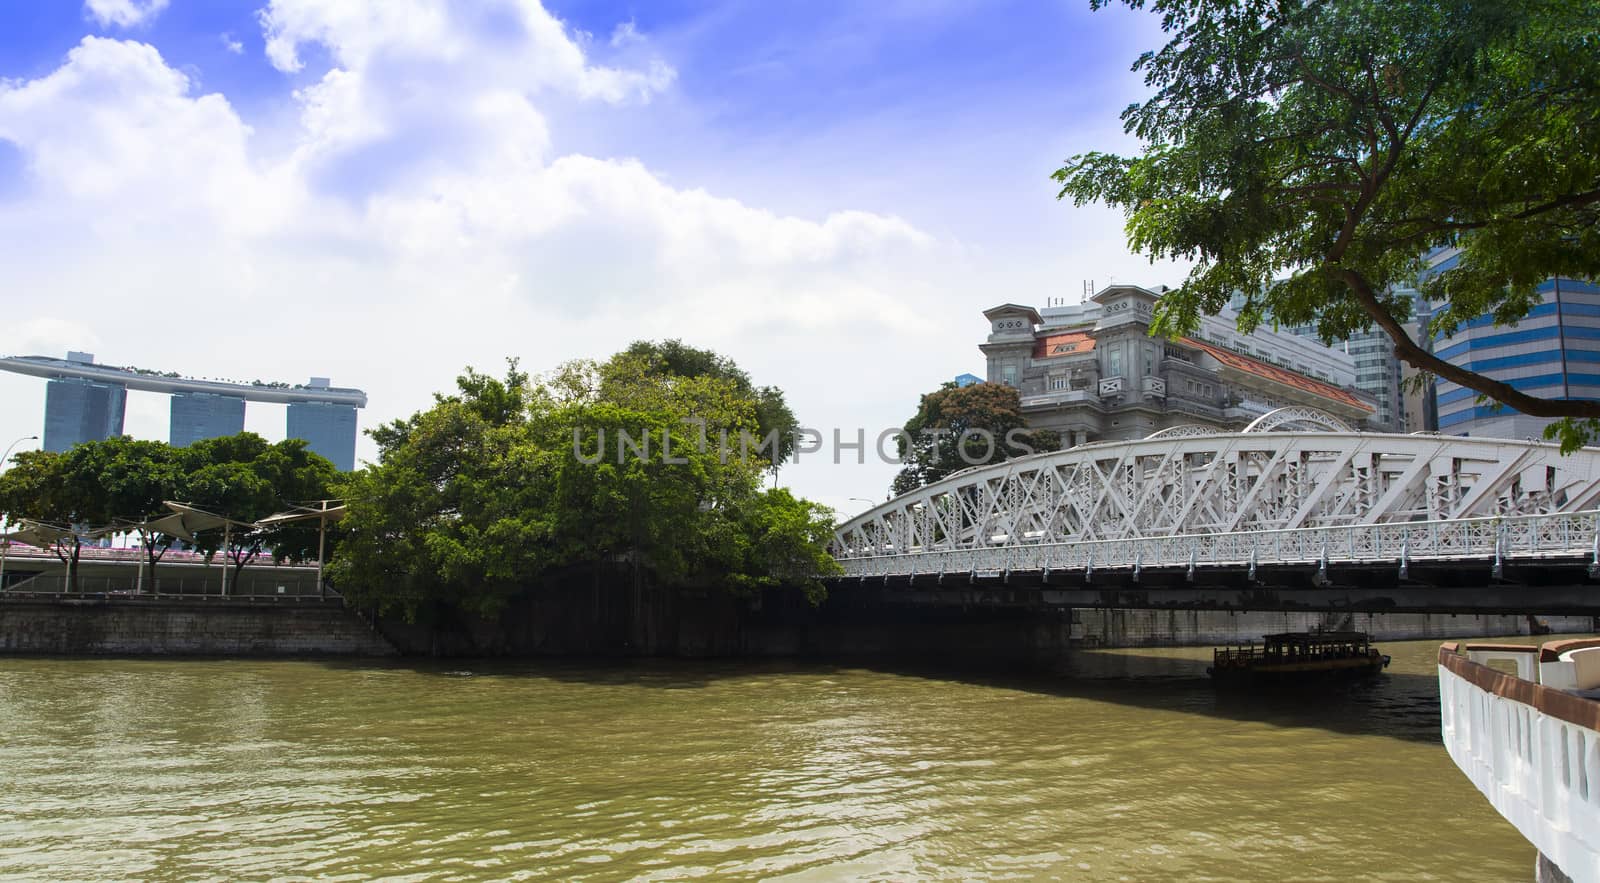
[[333, 511], [185, 521], [38, 534]]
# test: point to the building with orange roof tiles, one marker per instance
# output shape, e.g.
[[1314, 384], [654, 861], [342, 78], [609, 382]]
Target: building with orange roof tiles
[[1092, 372]]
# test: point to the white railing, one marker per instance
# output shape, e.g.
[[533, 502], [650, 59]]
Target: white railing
[[1533, 751], [1490, 539]]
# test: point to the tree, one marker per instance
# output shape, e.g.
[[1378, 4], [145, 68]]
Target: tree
[[128, 480], [675, 359], [456, 509], [958, 427], [508, 484], [40, 487], [246, 478], [1307, 154]]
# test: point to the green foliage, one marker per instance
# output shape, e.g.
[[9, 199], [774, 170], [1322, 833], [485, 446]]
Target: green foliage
[[958, 427], [1309, 153], [675, 360], [246, 478], [507, 482], [121, 482]]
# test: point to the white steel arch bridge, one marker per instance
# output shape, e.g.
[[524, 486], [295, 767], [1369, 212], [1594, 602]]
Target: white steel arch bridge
[[1296, 487]]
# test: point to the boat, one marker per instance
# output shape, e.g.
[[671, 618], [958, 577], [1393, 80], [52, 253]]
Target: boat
[[1298, 655]]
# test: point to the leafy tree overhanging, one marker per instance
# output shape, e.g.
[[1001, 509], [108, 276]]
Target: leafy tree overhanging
[[1309, 153]]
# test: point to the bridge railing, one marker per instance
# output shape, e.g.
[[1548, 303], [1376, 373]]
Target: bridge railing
[[1532, 750], [1512, 537]]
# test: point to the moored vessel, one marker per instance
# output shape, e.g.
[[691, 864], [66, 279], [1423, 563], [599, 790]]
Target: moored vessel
[[1296, 656]]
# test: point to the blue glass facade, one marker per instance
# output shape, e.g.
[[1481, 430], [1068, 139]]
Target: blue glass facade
[[78, 410], [329, 430], [201, 415], [1553, 352]]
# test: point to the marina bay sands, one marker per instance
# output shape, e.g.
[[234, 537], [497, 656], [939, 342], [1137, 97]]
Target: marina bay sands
[[85, 401]]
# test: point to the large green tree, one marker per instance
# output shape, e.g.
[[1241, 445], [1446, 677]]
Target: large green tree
[[675, 359], [958, 427], [128, 480], [1308, 153], [246, 478], [509, 482], [41, 487]]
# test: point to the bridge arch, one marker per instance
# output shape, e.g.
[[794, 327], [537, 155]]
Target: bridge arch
[[1262, 484], [1297, 417]]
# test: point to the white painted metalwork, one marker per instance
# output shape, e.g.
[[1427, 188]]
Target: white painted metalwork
[[1297, 418], [1183, 430], [1224, 498], [1539, 771]]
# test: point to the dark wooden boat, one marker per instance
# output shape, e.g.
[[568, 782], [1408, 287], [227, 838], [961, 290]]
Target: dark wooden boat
[[1298, 656]]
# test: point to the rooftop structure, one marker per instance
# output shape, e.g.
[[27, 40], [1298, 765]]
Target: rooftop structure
[[1092, 372], [82, 366], [85, 401]]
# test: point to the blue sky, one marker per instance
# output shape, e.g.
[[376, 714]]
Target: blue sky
[[813, 188]]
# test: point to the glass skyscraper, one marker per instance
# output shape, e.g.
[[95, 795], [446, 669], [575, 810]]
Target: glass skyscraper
[[78, 410], [201, 415], [329, 430], [86, 402], [1553, 352]]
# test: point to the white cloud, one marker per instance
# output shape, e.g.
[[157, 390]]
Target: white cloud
[[626, 34], [417, 216], [117, 130], [230, 44], [123, 13]]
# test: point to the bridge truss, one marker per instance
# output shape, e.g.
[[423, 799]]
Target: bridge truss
[[1296, 486]]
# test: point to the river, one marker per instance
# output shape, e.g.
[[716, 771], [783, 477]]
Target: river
[[1129, 768]]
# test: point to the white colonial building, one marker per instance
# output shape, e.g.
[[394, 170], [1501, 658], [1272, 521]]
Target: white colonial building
[[1092, 371]]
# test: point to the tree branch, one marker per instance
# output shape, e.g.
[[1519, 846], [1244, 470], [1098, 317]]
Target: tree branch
[[1420, 358]]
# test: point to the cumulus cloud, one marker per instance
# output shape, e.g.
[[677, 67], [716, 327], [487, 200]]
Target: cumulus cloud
[[123, 13], [626, 34], [415, 215], [230, 44]]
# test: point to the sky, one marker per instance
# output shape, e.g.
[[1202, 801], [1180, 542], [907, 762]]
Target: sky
[[385, 192]]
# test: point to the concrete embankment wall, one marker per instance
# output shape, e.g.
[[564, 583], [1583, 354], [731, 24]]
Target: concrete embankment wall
[[1177, 628], [617, 618], [177, 628]]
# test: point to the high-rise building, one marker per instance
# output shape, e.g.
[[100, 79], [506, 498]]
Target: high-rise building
[[329, 430], [1553, 352], [1092, 372], [85, 402], [78, 409], [202, 415], [1378, 371]]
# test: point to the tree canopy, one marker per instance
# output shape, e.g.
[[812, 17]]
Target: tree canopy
[[120, 482], [958, 427], [1308, 153], [510, 482]]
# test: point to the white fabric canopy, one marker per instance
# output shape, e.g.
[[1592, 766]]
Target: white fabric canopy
[[332, 513], [33, 533]]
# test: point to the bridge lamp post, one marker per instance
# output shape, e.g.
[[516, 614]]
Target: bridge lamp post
[[5, 542]]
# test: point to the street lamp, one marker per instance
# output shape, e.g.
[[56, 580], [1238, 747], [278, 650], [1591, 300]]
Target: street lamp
[[5, 542], [4, 459]]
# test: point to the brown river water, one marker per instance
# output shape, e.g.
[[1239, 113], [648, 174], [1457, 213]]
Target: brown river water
[[1130, 766]]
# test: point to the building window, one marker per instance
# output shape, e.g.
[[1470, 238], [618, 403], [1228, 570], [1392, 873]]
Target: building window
[[1058, 383], [1114, 363], [1008, 375]]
